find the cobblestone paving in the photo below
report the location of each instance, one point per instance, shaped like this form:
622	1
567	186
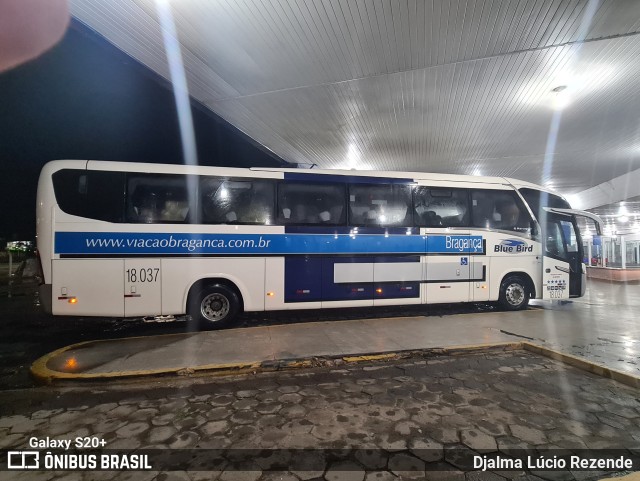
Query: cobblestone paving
417	411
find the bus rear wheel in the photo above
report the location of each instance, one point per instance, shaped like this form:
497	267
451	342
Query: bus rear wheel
514	294
214	306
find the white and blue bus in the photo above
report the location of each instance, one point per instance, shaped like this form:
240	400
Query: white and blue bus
135	240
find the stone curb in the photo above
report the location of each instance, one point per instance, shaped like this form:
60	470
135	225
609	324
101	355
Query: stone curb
44	374
585	365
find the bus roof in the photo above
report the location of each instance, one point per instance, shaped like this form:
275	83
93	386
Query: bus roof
412	175
209	170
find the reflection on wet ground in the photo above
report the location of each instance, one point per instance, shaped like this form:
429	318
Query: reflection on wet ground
26	333
601	326
417	419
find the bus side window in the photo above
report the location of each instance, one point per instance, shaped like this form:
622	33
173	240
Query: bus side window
211	205
441	207
93	194
500	209
259	209
174	210
158	198
553	242
145	205
311	203
380	205
538	200
236	201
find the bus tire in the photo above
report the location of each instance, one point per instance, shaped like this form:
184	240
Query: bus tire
213	306
514	293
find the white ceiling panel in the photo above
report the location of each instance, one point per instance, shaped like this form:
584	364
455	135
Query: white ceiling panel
492	114
460	86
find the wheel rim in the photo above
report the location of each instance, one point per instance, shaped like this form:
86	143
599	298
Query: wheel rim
515	294
214	307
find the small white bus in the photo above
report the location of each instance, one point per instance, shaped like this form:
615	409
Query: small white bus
135	240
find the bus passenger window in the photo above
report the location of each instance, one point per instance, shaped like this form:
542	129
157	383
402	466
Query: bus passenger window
311	203
145	205
441	207
380	205
92	194
501	210
236	201
174	210
506	213
157	198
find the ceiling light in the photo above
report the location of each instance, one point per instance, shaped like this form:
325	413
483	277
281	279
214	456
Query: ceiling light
561	102
623	218
560	97
353	157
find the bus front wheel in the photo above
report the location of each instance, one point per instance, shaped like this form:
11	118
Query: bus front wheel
514	294
214	306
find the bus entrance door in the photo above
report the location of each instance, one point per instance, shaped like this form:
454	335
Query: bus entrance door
563	245
562	262
142	293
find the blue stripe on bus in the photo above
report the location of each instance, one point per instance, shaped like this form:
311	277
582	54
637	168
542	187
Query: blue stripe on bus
326	229
345	179
390	259
303	279
311	279
332	291
365	259
127	243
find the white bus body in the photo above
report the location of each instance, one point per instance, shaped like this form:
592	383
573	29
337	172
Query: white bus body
132	240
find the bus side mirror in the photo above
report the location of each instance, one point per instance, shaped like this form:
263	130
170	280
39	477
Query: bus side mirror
534	228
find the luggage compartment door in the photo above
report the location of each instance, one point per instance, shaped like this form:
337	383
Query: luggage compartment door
87	287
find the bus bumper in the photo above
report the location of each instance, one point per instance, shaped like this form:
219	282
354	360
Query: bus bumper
44	294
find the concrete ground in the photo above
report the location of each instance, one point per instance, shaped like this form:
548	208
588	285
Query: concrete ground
416	419
602	327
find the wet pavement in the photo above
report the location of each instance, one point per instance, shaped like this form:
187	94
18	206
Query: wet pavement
590	328
26	333
602	327
417	419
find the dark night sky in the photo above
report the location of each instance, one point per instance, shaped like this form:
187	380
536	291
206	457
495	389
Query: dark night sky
85	99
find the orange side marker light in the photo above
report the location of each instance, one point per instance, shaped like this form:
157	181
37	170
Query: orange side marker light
70	364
